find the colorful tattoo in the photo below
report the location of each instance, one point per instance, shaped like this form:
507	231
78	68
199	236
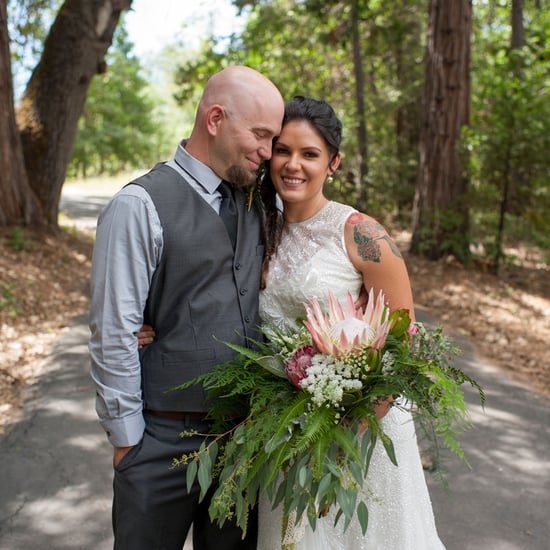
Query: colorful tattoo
365	235
367	247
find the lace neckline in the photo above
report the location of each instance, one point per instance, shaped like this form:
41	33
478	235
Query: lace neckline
311	218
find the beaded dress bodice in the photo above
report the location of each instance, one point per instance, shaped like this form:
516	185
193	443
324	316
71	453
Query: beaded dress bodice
311	260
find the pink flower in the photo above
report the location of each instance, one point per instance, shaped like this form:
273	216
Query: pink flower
413	329
296	368
344	330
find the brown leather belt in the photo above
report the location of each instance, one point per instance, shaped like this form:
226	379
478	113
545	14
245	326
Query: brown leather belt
178	415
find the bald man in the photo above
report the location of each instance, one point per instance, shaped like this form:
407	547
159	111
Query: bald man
164	256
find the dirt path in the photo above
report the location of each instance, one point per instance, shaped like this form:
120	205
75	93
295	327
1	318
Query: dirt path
43	286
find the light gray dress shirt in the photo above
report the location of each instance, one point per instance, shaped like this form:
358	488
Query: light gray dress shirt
127	251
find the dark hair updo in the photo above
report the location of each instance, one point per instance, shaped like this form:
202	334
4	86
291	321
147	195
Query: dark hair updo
323	119
320	115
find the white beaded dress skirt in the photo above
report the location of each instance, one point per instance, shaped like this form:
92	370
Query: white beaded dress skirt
311	261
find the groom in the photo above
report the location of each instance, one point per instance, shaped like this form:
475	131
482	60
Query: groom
163	256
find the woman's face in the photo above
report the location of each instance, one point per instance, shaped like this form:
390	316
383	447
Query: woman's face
300	164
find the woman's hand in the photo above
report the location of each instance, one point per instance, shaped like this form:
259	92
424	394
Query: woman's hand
145	335
382	407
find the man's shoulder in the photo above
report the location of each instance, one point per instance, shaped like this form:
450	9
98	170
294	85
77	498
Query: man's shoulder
161	169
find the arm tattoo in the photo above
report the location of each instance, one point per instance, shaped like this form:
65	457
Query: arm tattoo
366	235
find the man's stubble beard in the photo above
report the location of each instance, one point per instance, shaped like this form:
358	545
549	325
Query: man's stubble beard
240	177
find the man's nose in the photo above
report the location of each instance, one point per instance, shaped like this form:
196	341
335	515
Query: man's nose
265	151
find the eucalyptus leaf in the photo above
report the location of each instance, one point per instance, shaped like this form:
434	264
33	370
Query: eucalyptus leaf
302	476
312	518
213	451
303	502
363	516
280	494
357	472
190	474
273	443
388	445
323	487
204	475
240	507
275	364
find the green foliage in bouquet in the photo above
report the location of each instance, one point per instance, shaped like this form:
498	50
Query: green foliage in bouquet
311	427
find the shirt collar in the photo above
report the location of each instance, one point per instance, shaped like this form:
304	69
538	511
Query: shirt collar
201	173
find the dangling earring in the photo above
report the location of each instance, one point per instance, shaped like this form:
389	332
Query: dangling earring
330	179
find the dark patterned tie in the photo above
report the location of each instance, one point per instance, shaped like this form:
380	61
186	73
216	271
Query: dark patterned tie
228	211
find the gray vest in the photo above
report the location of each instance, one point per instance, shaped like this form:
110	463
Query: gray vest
202	293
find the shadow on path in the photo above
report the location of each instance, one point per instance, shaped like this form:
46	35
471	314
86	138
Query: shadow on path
56	464
502	502
56	474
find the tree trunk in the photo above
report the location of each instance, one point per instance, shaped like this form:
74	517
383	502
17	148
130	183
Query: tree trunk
510	174
48	114
361	195
18	205
407	116
440	214
518	33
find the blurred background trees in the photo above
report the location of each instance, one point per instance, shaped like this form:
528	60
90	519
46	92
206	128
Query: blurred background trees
444	104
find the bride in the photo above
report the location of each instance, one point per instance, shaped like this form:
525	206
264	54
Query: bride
315	247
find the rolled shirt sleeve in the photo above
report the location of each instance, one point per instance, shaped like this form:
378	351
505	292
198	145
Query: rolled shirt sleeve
126	252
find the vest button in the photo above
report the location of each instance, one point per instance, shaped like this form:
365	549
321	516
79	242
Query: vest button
247	319
243	291
237	265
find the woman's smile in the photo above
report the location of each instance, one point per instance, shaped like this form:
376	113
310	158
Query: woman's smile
292	181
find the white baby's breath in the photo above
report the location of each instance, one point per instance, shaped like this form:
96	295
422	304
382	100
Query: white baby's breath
388	362
328	379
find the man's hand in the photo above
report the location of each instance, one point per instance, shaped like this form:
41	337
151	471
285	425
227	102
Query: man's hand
120	453
145	335
362	300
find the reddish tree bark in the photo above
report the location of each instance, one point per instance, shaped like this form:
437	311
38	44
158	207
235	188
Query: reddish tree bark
440	215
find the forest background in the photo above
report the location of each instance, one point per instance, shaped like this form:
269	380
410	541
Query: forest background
447	130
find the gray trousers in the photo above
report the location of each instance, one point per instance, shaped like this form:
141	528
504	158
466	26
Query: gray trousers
152	509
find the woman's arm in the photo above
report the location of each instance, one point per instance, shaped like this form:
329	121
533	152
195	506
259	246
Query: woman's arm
376	256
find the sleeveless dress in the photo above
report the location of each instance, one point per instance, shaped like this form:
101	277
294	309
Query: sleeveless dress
310	261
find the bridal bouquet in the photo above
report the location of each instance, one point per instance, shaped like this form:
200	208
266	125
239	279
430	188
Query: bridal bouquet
310	396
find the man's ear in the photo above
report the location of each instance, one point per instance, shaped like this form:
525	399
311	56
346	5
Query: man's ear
214	118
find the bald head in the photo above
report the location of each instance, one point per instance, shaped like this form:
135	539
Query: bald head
239	108
235	83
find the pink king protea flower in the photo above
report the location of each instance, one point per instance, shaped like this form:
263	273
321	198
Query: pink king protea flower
345	331
296	368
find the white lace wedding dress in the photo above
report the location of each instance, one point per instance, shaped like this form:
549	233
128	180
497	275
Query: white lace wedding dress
312	260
